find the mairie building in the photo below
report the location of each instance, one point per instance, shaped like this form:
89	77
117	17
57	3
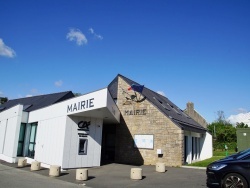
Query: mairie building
123	123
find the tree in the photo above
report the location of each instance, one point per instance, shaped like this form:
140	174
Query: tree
3	100
223	132
221	116
77	94
241	125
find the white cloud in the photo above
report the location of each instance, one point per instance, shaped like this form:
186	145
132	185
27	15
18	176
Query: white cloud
91	30
78	36
29	95
161	93
241	117
5	50
58	83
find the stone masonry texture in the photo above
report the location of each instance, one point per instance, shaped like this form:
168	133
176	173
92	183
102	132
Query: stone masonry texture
149	121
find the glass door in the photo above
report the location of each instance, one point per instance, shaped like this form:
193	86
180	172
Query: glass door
21	140
32	140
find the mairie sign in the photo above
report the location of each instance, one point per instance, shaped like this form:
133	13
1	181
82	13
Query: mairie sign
81	105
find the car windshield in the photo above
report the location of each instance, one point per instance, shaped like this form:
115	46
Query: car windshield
239	154
242	153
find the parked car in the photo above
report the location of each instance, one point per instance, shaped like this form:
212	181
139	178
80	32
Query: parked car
231	171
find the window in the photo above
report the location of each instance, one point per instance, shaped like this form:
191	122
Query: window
164	106
21	140
83	143
32	141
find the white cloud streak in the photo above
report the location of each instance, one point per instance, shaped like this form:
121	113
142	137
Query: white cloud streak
241	117
58	83
76	35
5	50
91	30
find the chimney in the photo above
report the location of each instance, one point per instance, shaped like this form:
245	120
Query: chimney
190	107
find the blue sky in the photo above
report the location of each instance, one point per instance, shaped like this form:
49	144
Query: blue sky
195	51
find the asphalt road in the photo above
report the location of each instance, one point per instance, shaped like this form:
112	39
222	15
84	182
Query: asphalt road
111	175
16	178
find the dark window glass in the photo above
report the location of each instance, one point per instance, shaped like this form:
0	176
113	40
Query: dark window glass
32	141
83	143
21	139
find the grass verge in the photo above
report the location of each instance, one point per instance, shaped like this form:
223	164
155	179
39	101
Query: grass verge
206	162
217	155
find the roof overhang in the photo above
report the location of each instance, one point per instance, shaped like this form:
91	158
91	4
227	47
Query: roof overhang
97	104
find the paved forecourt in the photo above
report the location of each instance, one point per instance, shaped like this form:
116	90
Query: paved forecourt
111	175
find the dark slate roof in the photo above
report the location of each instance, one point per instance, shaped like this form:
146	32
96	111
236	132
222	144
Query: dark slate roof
178	116
37	102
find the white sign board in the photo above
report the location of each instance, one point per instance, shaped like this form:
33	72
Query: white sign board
144	141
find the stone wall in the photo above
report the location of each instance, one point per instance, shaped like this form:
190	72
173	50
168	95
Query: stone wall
148	120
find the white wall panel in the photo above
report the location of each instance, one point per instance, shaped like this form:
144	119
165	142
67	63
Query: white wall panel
113	107
71	158
2	134
25	117
206	146
98	142
10	125
49	141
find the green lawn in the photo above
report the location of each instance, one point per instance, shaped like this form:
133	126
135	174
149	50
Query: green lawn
216	156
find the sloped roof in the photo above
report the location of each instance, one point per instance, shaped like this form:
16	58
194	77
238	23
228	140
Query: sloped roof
169	109
37	102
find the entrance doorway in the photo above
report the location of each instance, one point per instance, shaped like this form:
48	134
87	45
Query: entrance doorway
108	144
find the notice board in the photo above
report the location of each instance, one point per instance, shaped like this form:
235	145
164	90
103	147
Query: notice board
144	141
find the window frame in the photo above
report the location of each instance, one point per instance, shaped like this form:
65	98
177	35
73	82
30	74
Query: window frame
85	151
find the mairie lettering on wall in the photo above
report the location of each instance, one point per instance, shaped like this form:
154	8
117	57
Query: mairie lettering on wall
135	112
81	105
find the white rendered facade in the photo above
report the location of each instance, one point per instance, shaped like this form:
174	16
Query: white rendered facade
60	130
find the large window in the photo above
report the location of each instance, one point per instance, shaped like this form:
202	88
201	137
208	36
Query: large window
32	140
21	140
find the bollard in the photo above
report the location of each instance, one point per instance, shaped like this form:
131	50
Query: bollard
22	162
54	170
136	173
35	165
160	167
82	174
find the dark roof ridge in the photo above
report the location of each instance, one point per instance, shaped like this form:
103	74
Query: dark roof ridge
40	95
184	121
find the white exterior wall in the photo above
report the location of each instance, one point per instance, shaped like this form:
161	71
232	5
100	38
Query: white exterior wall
25	117
204	147
10	121
57	139
49	140
207	146
71	158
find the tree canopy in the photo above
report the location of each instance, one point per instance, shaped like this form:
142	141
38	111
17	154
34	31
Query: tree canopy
3	100
224	133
